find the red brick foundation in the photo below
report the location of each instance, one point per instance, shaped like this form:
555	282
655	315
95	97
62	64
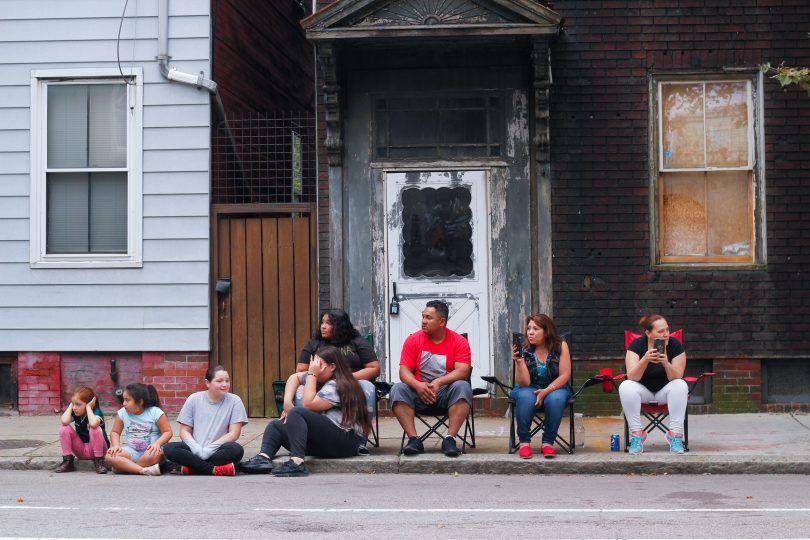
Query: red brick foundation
38	383
47	380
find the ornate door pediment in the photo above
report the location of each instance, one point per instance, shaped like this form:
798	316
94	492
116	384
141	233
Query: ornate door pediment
430	18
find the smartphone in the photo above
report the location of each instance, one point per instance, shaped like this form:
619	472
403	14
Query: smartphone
659	344
518	340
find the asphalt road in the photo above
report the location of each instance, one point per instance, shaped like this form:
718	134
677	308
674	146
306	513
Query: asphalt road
83	504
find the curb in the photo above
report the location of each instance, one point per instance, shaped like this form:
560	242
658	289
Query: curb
662	464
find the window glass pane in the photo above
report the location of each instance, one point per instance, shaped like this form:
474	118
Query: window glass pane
67	213
682	125
729	213
464	126
413	127
727	124
437	232
67	126
787	381
108	212
684	214
108	125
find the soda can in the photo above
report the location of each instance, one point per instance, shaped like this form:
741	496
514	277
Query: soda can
614	443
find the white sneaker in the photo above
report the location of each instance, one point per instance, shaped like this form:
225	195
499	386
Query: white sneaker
152	470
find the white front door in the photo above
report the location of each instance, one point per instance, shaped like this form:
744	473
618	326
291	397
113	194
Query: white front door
438	248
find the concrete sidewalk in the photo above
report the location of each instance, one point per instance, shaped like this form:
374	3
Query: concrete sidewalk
719	444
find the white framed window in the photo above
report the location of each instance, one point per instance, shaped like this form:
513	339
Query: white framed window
86	159
708	184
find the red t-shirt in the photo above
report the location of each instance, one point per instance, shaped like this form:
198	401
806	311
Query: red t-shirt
428	360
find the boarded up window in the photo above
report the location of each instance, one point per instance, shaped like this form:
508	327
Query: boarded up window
706	176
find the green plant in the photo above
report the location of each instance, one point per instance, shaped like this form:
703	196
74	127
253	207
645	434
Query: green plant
787	75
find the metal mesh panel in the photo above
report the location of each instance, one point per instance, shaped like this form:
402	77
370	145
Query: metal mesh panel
265	158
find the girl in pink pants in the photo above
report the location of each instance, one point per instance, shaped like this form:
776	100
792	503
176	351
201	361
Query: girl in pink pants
88	438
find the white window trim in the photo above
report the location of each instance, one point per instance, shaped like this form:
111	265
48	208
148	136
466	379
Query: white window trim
756	156
134	256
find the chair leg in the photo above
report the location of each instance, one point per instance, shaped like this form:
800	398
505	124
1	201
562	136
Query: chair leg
512	430
686	430
471	418
626	434
571	432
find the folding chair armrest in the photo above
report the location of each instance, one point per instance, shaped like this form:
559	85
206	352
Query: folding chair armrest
498	383
381	388
592	381
693	381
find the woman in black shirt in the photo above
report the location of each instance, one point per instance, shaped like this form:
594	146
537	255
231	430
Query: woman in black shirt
653	376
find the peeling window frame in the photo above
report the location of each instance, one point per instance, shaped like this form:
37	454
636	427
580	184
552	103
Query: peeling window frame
756	185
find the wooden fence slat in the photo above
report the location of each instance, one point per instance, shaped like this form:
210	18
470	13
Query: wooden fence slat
222	311
238	309
255	324
286	311
272	360
301	254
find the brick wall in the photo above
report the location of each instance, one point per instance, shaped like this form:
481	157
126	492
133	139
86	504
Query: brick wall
46	380
175	376
38	383
93	370
600	184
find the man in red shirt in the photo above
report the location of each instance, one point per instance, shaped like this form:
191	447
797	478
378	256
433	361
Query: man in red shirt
434	369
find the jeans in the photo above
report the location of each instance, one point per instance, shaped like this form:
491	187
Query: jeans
553	406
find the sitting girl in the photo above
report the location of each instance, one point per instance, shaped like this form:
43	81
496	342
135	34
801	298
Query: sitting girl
147	430
89	438
332	423
210	424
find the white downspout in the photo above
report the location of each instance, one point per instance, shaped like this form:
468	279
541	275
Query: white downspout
171	73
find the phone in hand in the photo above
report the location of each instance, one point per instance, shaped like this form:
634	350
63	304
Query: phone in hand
518	340
659	344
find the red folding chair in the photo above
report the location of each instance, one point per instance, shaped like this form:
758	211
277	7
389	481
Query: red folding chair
654	412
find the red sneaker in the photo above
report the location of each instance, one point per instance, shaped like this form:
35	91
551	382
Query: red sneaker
548	451
225	470
525	452
185	471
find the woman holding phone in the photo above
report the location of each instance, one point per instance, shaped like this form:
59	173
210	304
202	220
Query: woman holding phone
655	363
542	372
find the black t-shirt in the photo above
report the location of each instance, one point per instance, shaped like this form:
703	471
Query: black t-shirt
655	376
363	352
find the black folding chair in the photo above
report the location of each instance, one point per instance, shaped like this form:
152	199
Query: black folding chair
440	417
539	421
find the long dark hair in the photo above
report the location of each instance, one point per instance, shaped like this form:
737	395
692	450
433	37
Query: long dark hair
552	336
144	393
352	399
344	331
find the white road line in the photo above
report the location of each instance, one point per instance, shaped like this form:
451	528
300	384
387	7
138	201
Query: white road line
528	510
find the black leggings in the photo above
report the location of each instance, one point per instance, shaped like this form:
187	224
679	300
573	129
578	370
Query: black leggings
179	452
309	433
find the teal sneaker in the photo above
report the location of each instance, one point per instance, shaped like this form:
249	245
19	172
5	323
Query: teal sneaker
675	442
637	443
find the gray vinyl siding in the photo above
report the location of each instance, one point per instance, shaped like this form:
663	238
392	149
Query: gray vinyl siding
163	306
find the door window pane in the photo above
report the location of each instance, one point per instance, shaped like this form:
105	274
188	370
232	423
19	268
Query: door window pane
86	213
437	232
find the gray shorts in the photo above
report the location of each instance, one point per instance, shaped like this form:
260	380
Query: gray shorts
447	396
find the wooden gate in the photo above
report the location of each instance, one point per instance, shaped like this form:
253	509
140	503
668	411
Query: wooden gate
264	303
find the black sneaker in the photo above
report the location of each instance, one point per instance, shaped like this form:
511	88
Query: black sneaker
289	468
362	450
449	447
258	464
413	446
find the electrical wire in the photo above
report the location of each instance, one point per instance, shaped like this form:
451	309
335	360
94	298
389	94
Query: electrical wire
118	47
